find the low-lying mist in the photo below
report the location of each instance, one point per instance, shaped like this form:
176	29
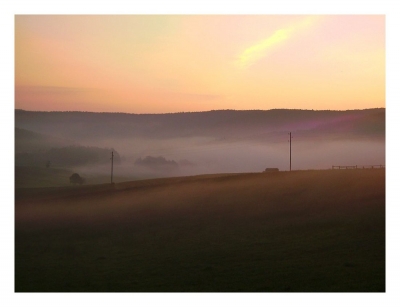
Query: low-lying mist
169	145
204	155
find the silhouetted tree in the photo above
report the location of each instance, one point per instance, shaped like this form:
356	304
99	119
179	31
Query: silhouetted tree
76	179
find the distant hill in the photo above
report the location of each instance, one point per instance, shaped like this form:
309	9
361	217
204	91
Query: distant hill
27	141
224	124
69	156
37	149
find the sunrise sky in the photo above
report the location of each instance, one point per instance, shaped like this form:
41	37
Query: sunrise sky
181	63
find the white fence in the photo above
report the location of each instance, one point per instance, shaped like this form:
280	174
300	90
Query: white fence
357	166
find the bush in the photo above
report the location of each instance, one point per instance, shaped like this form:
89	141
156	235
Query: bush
76	179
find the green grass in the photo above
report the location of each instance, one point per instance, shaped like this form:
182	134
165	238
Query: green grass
35	177
305	231
40	177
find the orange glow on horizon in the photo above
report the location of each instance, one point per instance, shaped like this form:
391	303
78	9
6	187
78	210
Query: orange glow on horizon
162	64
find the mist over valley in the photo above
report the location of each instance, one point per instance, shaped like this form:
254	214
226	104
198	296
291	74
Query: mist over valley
180	144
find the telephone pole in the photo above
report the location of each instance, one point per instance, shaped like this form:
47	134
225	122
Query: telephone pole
112	165
290	151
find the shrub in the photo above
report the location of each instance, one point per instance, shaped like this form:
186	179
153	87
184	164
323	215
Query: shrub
76	179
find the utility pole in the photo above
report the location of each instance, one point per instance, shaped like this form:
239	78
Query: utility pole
112	165
290	150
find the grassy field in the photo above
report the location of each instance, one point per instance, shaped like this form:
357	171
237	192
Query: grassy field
40	177
301	231
36	177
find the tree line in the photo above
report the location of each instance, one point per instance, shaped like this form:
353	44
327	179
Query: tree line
68	157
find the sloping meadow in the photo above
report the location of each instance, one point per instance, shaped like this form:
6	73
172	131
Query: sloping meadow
269	232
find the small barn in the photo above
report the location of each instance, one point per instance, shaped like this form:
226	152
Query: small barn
271	169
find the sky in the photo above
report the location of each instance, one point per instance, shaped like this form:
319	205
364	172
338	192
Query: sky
186	63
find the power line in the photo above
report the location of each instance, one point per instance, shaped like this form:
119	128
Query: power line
290	151
112	165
